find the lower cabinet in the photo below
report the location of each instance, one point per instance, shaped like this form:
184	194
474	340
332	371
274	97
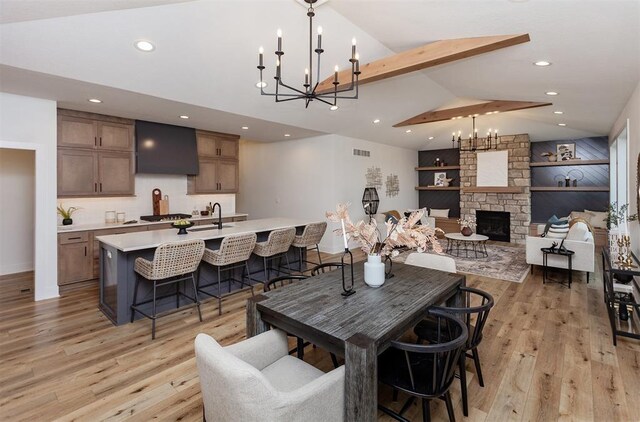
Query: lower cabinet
75	254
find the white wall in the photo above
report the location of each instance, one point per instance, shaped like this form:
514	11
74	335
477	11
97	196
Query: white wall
17	191
631	112
305	178
30	123
93	209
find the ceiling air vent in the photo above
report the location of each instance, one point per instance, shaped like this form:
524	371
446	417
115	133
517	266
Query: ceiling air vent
361	152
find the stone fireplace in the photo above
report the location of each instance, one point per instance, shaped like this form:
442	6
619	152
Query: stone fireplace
514	199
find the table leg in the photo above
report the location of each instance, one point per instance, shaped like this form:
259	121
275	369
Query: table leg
255	324
544	268
361	383
570	271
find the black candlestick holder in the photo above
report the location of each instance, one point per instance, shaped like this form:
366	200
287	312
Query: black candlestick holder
348	291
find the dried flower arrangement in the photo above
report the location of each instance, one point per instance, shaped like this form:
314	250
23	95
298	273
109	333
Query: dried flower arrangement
467	222
403	233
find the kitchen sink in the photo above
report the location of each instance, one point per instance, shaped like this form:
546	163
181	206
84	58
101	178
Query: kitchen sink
201	229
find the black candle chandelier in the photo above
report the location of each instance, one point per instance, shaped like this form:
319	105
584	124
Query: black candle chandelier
308	93
474	143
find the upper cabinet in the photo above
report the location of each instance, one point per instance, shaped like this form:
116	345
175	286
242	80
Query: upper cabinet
95	155
217	145
218	162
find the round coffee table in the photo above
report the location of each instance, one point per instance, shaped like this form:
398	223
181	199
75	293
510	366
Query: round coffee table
474	246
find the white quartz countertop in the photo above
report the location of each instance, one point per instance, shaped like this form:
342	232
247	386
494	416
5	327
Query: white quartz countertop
128	242
100	226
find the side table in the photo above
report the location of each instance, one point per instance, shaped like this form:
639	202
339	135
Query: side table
556	252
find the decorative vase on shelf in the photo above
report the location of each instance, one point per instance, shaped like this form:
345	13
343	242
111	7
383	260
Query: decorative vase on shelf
67	221
466	231
374	271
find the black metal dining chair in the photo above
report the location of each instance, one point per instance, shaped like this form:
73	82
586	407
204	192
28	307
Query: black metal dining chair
425	371
325	268
474	318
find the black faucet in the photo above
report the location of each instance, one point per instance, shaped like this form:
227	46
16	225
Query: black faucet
213	210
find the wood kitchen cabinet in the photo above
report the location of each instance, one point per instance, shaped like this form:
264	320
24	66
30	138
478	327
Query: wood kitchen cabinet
217	145
75	254
216	176
95	155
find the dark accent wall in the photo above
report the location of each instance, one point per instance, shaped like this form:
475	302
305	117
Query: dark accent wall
546	204
439	199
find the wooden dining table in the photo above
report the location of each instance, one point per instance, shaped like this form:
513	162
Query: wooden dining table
358	327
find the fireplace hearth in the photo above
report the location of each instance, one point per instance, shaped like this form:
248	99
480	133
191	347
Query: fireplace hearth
494	224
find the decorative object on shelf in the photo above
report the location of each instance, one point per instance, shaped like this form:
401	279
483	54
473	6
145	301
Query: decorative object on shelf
374	177
66	214
439	178
551	156
576	176
447	182
566	151
567	181
467	225
182	226
474	143
308	92
370	201
436	163
393	185
404	232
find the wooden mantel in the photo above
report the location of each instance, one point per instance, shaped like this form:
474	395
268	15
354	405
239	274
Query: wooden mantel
492	189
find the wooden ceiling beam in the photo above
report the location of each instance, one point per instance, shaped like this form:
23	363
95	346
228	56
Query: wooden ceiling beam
483	108
428	55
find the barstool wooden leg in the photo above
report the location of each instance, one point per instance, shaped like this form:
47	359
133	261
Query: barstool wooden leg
195	296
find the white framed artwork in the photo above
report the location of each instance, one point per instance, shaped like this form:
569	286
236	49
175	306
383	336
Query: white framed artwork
492	168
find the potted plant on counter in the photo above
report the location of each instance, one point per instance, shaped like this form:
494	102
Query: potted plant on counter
403	233
66	214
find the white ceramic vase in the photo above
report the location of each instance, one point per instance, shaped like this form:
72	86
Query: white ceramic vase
374	271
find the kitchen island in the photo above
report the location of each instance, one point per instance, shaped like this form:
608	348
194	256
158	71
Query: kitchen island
118	254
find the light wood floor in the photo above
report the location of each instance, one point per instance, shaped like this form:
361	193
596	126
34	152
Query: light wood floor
547	355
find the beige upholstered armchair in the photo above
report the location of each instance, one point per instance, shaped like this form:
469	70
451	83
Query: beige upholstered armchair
257	380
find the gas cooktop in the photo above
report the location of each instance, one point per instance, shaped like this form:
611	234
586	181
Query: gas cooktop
164	217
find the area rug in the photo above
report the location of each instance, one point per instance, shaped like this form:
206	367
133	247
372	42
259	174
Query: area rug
503	263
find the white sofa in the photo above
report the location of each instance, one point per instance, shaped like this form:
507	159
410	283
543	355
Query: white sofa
584	248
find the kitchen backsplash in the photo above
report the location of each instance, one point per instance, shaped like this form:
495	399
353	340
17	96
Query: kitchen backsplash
93	209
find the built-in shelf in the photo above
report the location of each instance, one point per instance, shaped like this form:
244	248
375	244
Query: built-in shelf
569	163
434	168
437	188
493	189
569	189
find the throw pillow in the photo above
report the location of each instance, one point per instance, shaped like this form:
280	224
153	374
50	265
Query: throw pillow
578	231
558	225
598	219
392	215
581	220
433	212
578	214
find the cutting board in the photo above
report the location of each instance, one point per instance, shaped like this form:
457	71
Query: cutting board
164	205
156	197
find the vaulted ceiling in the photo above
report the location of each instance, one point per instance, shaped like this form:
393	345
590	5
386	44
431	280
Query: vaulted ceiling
206	53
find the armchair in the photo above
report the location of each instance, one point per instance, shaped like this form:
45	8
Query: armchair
257	379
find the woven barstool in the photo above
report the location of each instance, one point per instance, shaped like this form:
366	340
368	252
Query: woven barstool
275	247
172	263
308	241
234	253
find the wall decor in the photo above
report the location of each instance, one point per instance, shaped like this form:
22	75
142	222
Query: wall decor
492	168
566	151
374	177
439	178
393	185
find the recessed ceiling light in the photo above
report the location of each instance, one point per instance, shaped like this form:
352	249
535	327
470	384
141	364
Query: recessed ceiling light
144	45
261	84
94	100
376	121
407	131
562	124
430	137
245	127
286	135
333	108
551	93
558	112
184	116
542	63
